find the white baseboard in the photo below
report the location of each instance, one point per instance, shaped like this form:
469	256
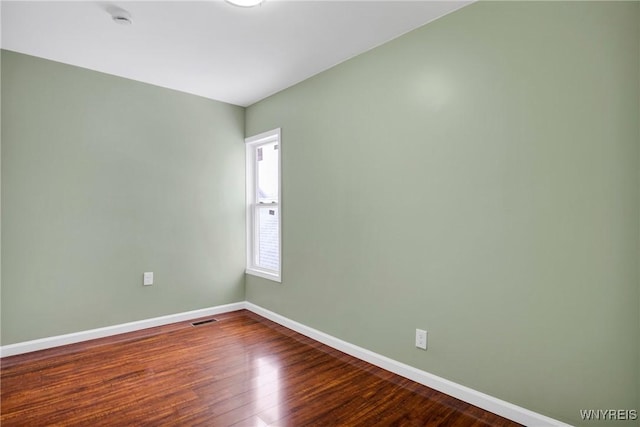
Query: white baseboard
59	340
466	394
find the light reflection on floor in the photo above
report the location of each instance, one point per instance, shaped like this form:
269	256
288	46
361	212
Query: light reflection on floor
267	390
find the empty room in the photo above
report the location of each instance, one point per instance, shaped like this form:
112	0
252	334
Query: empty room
320	213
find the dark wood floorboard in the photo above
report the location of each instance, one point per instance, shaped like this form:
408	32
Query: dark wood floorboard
242	370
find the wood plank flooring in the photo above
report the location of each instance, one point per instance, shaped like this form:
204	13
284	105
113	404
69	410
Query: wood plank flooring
242	370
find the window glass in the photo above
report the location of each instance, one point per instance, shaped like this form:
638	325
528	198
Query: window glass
268	238
267	180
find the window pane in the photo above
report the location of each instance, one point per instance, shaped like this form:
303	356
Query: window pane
268	244
267	159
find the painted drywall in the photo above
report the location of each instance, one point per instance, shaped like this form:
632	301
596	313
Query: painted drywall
105	178
0	185
477	178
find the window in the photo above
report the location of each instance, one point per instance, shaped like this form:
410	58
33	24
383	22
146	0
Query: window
263	205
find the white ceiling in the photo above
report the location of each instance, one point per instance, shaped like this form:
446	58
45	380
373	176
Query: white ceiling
212	48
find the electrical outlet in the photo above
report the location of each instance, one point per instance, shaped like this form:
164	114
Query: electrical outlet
421	339
147	278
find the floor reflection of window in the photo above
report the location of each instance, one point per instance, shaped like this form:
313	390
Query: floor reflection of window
267	390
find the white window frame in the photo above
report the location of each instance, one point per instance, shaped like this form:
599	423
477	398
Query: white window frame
251	144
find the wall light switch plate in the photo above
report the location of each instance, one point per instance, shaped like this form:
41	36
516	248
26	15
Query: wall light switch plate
147	278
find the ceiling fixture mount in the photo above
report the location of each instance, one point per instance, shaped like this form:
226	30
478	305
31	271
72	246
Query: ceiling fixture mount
120	16
245	3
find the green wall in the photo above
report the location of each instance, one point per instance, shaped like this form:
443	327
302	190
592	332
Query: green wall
478	178
104	178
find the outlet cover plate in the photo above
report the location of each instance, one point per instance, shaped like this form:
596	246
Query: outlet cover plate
421	339
147	278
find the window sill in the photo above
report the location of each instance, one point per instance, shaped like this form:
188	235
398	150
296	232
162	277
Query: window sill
264	274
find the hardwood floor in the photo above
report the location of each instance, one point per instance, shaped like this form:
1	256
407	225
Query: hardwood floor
241	370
